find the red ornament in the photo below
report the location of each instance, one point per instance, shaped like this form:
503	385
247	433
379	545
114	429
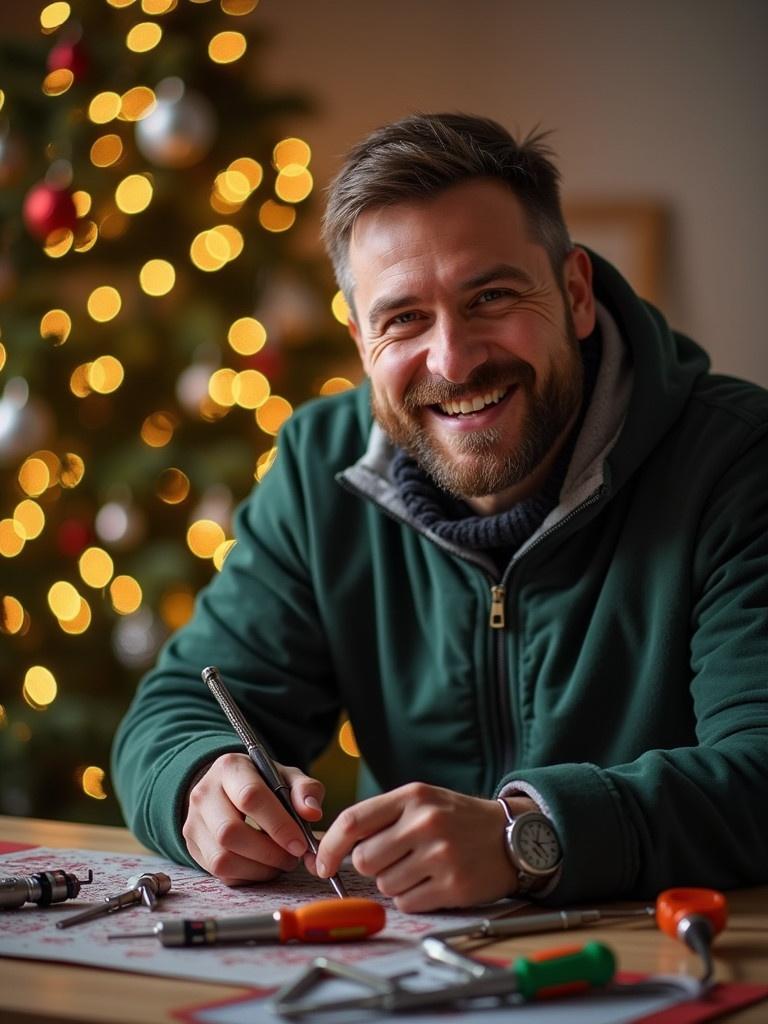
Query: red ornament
268	361
48	208
71	56
73	537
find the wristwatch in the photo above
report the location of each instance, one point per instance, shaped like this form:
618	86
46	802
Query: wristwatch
532	847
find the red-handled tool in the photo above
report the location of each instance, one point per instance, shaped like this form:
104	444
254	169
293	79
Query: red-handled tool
695	916
342	920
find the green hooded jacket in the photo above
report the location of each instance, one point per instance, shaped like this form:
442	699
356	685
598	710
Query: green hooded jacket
618	670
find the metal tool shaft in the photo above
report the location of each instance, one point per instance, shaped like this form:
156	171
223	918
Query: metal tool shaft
261	759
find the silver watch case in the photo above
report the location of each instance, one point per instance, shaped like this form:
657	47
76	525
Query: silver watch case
518	827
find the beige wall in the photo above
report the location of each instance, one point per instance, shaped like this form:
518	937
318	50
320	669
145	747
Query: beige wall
659	99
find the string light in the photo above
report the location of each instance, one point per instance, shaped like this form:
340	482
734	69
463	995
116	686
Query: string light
176	607
157	429
293	183
29	519
3	355
158	6
238	7
40	688
92	782
96	567
54	15
80	622
134	193
226	47
11	614
58	243
11	541
106	150
273	413
347	740
144	36
173	486
82	201
137	103
264	463
34	477
72	470
250	389
335	385
291	151
104	303
56	83
126	594
339	308
247	336
220	386
104	107
55	326
203	538
157	277
276	217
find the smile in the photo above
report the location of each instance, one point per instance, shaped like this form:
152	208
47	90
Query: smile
467	406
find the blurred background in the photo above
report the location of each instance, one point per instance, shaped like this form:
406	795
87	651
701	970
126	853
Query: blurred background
164	302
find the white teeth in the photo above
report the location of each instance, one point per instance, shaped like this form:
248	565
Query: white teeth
468	405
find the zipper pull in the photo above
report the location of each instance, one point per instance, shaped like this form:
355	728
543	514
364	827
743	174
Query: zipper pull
497	607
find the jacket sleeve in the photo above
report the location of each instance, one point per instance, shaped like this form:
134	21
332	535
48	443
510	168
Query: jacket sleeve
691	815
257	620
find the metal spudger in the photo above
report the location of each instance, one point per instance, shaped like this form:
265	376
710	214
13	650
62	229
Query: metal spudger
261	759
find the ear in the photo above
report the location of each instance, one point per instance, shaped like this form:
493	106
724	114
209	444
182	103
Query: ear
354	333
577	283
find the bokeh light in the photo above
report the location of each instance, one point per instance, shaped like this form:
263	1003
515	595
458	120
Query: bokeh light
96	567
347	740
173	486
134	193
220	386
106	150
11	541
80	622
104	303
339	308
176	607
72	470
250	389
34	476
55	326
56	83
273	413
293	184
157	429
105	375
226	47
29	519
276	217
125	594
64	600
92	782
11	614
247	336
335	385
137	103
39	689
104	107
157	277
203	538
144	36
291	151
54	15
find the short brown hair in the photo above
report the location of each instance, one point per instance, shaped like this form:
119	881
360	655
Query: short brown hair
423	154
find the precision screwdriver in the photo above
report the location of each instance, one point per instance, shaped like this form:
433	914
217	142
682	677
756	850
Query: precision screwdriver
261	760
320	921
695	916
43	888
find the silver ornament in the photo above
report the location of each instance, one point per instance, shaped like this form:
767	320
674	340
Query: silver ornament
181	128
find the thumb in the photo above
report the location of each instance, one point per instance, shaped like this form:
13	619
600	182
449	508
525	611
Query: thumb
307	794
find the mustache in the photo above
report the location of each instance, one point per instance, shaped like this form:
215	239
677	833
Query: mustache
434	390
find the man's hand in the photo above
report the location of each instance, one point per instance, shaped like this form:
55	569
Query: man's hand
219	838
427	847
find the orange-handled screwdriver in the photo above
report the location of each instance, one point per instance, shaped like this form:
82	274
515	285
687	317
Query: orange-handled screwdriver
321	921
695	916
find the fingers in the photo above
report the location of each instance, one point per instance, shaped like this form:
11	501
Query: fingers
427	848
219	838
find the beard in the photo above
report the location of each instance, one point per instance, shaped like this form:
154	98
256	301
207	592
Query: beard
478	463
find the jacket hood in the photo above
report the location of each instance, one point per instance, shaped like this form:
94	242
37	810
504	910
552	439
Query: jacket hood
665	367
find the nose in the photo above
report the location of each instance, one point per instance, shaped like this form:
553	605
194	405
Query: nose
453	353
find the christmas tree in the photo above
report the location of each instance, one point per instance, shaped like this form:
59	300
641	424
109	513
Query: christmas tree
158	324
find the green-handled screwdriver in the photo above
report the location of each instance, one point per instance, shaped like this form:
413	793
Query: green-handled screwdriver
557	972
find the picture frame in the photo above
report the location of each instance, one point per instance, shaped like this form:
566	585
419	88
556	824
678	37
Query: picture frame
631	234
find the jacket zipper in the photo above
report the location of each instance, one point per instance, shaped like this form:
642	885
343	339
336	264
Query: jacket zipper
498	622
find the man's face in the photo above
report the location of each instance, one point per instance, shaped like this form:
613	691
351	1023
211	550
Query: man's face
469	340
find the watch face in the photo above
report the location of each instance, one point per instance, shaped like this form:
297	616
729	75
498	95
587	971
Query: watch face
537	844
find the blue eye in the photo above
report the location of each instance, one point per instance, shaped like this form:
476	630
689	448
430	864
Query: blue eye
403	318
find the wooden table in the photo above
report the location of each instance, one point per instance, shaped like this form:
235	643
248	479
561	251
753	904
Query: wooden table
36	991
